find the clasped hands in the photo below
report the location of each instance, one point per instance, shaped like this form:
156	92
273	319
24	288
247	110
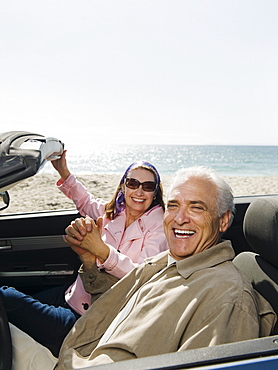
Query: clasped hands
84	237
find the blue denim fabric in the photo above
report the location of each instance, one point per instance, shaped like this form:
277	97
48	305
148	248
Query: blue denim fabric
45	317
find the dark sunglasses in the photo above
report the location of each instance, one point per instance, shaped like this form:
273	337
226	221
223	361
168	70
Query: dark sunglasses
146	185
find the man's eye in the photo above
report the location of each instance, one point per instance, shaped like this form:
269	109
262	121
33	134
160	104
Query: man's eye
198	208
171	206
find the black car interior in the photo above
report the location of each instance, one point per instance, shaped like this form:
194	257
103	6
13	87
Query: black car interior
260	228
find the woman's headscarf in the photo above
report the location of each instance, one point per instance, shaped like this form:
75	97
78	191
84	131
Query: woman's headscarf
120	200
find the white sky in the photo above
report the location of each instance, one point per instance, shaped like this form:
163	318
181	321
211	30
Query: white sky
141	71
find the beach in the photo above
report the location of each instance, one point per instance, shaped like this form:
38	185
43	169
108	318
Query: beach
39	193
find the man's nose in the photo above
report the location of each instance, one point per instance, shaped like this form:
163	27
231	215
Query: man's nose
182	216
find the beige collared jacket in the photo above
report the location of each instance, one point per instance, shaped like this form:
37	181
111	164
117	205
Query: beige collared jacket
200	301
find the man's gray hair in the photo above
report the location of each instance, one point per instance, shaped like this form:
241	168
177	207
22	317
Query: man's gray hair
225	199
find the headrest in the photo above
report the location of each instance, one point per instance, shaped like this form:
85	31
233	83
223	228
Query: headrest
260	228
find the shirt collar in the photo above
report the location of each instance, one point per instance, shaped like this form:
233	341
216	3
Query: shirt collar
212	256
170	260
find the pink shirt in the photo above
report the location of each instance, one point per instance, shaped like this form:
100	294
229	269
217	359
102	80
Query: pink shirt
128	247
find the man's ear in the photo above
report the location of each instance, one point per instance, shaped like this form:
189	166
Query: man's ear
224	221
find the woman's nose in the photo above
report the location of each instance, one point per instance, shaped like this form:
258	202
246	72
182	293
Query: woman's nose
139	190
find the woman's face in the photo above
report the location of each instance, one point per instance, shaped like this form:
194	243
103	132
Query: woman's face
138	200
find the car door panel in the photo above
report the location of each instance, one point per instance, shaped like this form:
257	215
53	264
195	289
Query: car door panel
33	253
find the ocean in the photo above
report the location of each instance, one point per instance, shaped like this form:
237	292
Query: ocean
226	160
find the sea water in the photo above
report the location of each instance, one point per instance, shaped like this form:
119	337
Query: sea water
226	160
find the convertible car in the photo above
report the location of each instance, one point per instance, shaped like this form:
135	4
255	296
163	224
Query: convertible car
35	257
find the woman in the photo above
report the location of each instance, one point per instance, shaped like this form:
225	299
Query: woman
129	228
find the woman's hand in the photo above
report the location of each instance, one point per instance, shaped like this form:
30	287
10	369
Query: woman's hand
61	166
75	233
84	237
78	228
92	241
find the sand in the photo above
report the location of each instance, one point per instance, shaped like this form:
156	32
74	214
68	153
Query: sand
39	193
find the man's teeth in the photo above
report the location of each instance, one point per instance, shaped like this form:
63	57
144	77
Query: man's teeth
183	233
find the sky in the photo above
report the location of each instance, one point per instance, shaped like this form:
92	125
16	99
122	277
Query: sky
108	72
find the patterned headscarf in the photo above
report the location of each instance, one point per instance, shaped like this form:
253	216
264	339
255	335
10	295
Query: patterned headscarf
120	200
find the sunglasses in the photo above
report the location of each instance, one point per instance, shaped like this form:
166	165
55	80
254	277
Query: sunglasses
146	185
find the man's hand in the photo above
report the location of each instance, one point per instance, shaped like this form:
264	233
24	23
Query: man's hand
84	237
78	228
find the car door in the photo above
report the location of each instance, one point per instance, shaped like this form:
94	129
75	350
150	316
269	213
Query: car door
33	254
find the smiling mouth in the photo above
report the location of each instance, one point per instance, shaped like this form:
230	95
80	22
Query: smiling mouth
138	200
183	233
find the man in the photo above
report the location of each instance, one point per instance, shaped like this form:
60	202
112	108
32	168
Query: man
190	297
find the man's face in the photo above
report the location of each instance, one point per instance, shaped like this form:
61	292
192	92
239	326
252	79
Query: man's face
191	223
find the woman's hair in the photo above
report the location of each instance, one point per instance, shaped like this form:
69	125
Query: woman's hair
225	198
117	203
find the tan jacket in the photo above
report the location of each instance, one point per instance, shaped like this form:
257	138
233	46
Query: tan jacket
200	301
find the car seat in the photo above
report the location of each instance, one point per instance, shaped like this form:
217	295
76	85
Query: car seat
260	229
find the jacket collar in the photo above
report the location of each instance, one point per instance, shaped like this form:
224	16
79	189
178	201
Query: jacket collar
136	229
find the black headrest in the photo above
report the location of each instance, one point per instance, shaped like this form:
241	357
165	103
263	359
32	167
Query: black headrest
260	228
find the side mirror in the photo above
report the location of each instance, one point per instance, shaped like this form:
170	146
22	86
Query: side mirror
4	200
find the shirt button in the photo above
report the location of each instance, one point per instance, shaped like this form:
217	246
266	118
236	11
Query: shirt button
85	306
